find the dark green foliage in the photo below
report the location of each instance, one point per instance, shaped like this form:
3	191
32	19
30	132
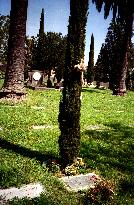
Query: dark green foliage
90	70
39	54
69	110
41	30
49	53
60	61
124	10
40	49
54	56
110	59
30	45
102	65
120	8
115	45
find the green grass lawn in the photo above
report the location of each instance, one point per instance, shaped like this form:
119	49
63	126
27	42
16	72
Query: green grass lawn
107	143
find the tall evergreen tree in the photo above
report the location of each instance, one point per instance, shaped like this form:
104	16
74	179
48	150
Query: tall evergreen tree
111	53
54	56
61	59
114	43
30	52
90	69
41	29
40	48
14	78
123	9
102	66
69	110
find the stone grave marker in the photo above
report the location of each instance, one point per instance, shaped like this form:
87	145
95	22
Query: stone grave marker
79	182
29	191
35	78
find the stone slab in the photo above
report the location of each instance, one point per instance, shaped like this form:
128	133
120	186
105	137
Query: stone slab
38	127
79	182
43	88
29	191
95	127
38	107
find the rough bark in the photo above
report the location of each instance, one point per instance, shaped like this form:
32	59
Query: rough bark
14	78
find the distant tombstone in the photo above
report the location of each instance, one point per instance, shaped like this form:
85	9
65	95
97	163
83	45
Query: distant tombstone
35	78
104	85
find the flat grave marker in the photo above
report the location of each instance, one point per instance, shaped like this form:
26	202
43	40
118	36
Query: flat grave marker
79	182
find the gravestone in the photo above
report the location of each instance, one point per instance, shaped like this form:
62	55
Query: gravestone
35	78
29	191
80	182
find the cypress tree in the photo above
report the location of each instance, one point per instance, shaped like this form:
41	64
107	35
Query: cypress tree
69	109
110	58
40	49
41	30
123	9
102	66
90	70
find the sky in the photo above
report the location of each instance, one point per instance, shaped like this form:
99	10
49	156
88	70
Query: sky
56	20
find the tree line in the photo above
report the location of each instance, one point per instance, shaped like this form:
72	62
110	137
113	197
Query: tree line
108	65
44	52
69	108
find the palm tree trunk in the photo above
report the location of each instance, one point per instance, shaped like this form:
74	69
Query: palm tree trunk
14	78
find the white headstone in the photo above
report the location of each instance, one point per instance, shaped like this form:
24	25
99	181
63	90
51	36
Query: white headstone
36	76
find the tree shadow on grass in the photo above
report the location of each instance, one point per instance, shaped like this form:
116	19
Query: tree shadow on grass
25	152
111	151
94	90
12	175
43	200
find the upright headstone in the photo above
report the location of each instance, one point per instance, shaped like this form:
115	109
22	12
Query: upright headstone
35	78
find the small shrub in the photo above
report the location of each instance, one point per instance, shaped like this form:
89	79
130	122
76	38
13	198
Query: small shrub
102	193
75	167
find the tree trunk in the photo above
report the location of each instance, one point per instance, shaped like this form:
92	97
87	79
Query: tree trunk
121	84
49	83
14	78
